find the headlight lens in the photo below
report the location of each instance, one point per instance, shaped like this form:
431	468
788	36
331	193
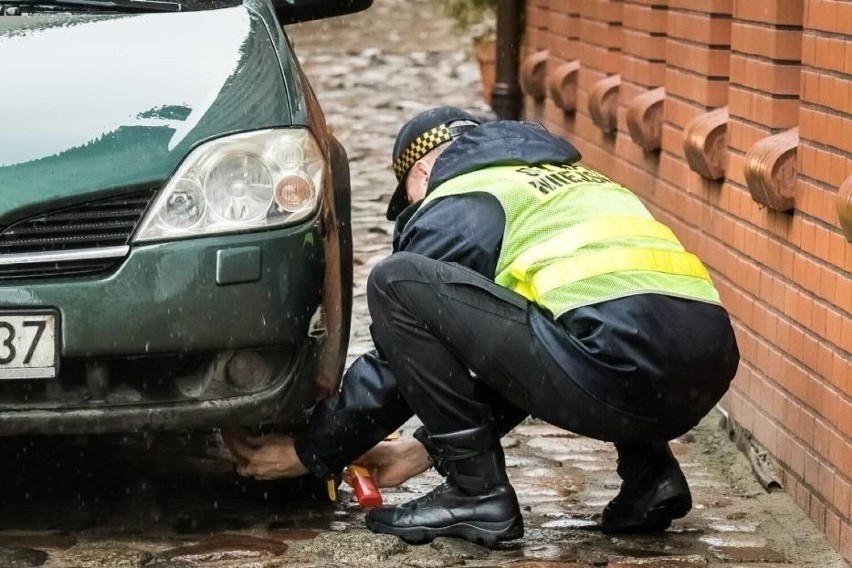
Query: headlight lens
185	206
237	183
239	188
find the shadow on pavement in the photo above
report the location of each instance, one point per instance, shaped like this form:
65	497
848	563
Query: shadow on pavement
163	482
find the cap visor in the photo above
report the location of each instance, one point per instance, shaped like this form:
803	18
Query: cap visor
398	202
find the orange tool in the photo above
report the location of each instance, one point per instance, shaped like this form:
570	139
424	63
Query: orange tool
365	488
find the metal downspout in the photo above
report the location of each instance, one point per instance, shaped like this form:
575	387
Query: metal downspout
506	93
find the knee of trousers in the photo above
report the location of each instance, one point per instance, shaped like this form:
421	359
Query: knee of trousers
398	266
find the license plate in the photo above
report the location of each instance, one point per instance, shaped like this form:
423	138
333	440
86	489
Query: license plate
28	345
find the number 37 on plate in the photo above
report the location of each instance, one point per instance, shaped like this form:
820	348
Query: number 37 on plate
28	345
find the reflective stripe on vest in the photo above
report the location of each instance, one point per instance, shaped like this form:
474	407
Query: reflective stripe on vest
587	233
586	265
565	272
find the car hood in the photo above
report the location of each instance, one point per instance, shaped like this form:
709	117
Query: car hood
95	104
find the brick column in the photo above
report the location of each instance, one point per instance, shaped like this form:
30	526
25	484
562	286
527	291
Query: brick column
765	46
821	344
564	50
533	72
643	68
698	60
537	17
698	37
599	51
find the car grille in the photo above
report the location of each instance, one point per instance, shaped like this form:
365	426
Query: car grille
84	239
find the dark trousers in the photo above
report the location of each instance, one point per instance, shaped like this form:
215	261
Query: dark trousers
466	352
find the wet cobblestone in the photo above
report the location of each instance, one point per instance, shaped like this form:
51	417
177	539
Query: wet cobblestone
224	547
104	555
21	557
357	547
165	501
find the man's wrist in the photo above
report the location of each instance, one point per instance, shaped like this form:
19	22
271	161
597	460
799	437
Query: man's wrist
309	458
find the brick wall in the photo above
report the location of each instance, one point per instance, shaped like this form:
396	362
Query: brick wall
732	119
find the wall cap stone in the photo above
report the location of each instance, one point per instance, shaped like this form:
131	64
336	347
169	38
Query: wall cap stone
844	207
645	118
562	85
534	74
705	143
603	103
770	170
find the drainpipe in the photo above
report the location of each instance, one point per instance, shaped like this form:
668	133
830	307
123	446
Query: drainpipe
506	93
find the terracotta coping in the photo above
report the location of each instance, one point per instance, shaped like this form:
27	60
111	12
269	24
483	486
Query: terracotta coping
705	143
534	74
844	207
562	85
645	118
770	170
603	103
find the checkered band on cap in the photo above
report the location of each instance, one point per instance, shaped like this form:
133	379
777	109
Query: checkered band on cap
420	147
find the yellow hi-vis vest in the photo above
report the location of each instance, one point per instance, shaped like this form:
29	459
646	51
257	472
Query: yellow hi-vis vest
574	237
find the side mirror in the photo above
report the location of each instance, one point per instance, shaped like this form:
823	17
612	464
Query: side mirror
293	11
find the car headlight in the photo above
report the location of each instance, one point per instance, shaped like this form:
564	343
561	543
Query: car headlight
242	182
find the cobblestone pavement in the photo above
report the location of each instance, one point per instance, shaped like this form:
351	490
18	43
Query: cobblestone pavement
166	501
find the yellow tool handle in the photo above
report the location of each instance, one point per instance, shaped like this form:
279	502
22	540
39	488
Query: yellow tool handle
331	486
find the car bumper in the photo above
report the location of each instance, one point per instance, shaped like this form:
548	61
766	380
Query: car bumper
287	400
158	342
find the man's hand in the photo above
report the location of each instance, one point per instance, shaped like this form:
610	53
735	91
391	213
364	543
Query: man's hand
272	456
392	463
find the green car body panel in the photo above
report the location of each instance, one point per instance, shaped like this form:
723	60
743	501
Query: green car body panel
101	102
107	105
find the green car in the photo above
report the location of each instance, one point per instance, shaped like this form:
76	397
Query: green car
175	241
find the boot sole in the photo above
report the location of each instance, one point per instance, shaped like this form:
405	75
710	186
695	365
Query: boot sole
485	533
657	519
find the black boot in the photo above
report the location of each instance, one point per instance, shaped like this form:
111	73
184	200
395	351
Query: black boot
476	502
653	492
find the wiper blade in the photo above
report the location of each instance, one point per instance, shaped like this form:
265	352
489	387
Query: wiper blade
109	5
